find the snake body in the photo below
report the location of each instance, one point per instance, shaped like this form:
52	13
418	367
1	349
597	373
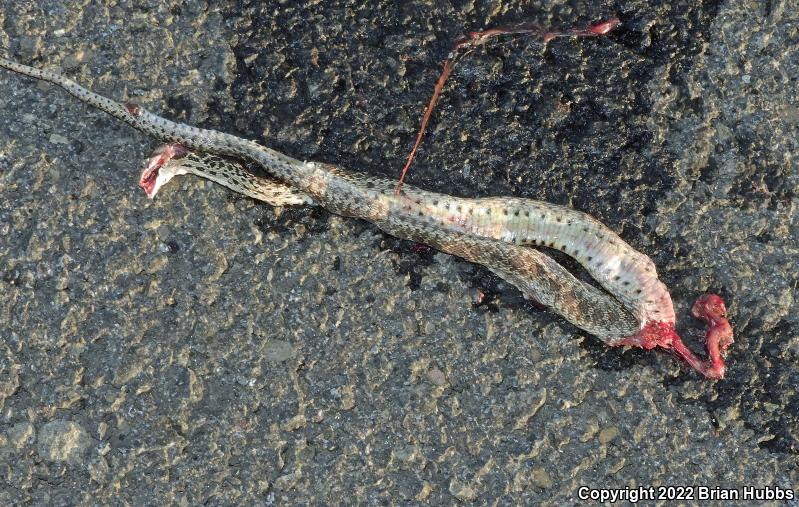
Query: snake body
634	309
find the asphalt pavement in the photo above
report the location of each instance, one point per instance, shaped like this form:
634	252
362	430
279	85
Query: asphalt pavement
203	348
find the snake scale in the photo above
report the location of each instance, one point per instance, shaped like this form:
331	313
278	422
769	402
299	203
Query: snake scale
634	308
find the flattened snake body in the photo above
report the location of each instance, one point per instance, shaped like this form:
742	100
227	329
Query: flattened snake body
634	309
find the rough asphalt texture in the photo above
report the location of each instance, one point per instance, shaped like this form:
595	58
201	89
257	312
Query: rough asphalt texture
204	348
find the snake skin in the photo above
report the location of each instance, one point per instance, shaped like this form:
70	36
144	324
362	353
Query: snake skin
494	232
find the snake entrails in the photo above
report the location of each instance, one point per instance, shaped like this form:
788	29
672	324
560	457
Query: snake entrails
496	232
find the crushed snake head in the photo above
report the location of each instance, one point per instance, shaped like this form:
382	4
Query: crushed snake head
154	175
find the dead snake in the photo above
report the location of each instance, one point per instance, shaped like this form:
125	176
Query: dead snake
635	309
